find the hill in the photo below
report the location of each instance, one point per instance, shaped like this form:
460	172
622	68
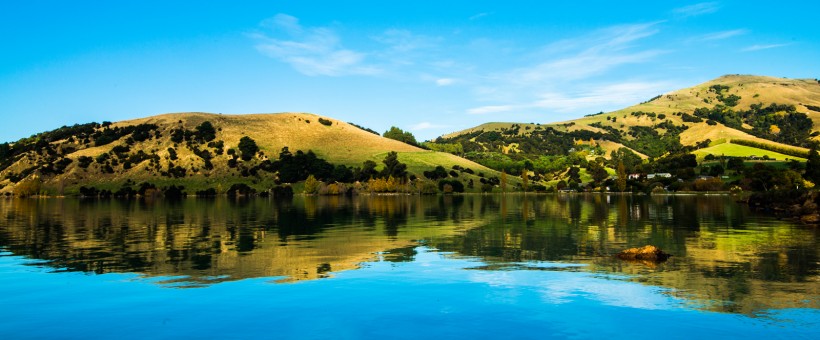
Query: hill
775	114
201	151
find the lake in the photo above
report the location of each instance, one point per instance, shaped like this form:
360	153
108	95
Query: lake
472	266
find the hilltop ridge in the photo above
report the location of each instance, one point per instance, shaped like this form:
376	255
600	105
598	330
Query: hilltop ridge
167	150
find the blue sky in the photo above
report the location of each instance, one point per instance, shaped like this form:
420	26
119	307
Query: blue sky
427	67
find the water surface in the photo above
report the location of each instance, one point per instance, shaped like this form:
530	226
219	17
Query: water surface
403	266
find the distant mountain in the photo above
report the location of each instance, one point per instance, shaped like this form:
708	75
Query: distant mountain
198	151
776	114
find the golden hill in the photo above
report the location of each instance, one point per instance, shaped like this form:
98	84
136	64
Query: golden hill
335	141
804	94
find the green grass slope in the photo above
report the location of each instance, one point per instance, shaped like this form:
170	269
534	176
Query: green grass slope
735	150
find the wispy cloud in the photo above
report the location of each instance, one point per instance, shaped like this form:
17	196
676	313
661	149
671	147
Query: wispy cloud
426	126
599	52
445	81
479	16
697	9
404	41
603	97
559	82
313	51
722	35
493	109
598	98
762	47
319	51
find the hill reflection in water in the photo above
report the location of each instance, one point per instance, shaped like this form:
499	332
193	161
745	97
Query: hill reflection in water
725	258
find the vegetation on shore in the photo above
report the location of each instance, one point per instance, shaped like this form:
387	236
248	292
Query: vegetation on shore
764	145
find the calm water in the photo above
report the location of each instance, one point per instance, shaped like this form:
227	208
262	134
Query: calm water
404	267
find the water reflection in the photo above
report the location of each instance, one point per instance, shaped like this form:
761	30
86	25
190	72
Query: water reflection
725	259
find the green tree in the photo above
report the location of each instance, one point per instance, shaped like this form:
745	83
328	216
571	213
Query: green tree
312	185
205	132
503	181
367	171
620	183
629	159
400	135
525	179
735	163
812	172
597	171
248	148
392	166
574	174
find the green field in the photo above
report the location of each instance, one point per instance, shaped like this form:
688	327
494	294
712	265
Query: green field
735	150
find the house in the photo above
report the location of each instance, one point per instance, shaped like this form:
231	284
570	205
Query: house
660	174
634	176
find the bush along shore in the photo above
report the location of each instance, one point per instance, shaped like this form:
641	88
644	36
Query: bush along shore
797	204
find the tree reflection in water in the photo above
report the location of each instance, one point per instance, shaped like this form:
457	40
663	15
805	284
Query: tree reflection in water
725	258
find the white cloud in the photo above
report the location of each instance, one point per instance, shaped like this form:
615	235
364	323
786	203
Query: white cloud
445	81
697	9
479	16
722	35
599	98
491	109
605	97
559	83
599	52
762	47
426	126
311	51
405	41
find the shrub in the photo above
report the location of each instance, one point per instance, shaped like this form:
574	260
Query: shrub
282	191
325	122
84	161
240	189
210	192
205	132
248	148
454	185
312	185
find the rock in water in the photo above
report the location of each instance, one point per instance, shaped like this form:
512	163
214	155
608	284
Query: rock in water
647	253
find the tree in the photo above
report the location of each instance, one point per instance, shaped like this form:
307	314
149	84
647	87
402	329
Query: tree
735	163
400	135
342	174
574	174
629	159
392	166
503	181
812	172
248	148
620	182
524	179
367	171
597	171
205	132
312	185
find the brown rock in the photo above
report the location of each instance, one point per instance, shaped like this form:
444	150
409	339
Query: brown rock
648	253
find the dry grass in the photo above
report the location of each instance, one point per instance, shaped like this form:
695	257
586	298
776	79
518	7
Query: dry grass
339	143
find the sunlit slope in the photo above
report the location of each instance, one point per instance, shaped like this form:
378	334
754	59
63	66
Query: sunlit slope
333	140
802	93
671	108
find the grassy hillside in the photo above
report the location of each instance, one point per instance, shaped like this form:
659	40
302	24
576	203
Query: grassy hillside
166	150
804	94
754	108
735	150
